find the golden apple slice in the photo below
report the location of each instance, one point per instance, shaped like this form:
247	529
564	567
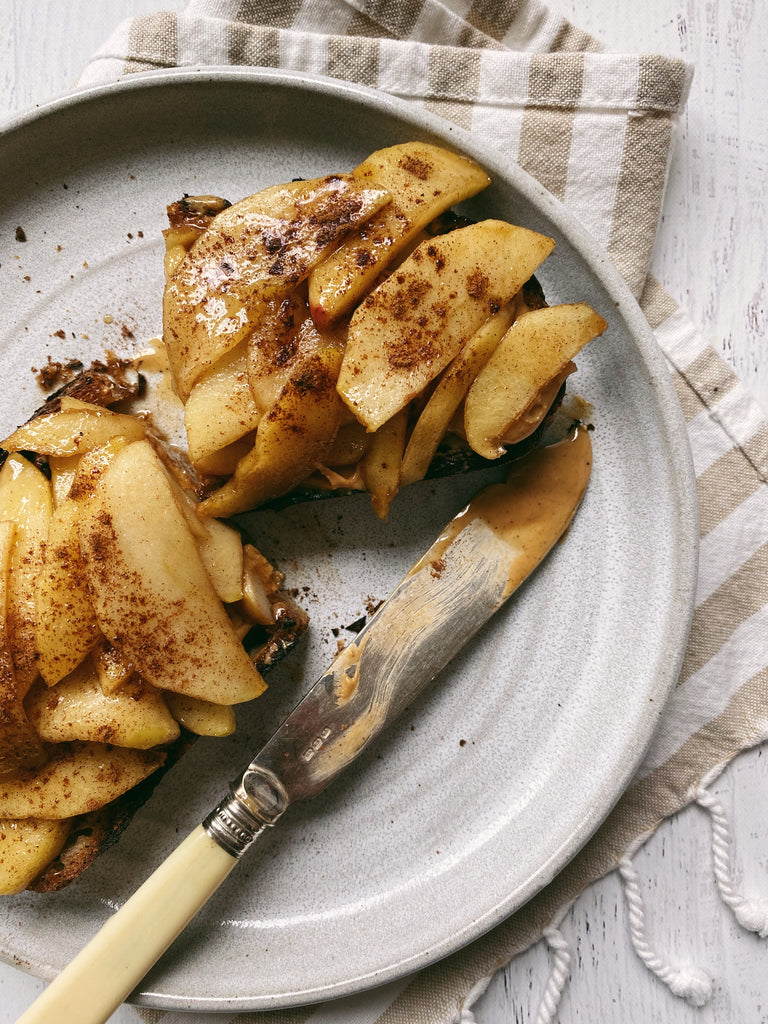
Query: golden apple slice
381	464
27	847
66	628
535	350
219	545
200	716
260	580
220	409
25	498
65	621
153	597
256	250
291	441
282	340
221	550
78	709
20	747
424	181
78	778
74	429
410	327
453	385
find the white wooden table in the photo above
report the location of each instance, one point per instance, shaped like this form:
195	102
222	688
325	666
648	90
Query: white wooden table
712	255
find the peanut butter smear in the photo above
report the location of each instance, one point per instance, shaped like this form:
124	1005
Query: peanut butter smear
531	510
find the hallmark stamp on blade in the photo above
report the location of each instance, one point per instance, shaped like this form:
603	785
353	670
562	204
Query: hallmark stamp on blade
317	744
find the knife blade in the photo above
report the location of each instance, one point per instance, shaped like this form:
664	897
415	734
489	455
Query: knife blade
480	559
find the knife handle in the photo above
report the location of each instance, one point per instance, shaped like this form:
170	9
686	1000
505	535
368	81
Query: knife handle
105	971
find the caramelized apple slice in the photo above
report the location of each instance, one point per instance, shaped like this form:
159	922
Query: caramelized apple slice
66	628
220	409
153	597
201	716
20	747
424	181
79	777
381	463
410	327
436	416
535	350
76	428
292	439
25	498
78	709
27	847
256	250
65	621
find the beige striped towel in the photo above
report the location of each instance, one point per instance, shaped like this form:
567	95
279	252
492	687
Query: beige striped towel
595	128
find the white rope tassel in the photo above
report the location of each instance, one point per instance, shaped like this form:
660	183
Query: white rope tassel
466	1014
558	975
689	983
751	914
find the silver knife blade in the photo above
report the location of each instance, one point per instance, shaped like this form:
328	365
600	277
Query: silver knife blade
477	562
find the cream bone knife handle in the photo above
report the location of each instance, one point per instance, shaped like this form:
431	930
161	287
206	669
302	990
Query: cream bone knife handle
106	971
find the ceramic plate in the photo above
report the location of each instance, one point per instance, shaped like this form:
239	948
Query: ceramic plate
497	776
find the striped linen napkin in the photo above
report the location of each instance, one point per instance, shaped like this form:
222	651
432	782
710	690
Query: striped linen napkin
595	128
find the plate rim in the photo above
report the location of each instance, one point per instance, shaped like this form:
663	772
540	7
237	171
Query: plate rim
671	419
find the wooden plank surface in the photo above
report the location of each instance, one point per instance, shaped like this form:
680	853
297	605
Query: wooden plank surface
712	256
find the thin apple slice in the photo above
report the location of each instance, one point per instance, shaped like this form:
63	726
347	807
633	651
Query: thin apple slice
424	181
410	327
25	498
20	746
66	628
535	350
78	709
220	409
27	847
284	338
256	250
292	439
72	430
381	464
260	580
153	597
221	550
219	545
200	716
78	778
65	621
436	416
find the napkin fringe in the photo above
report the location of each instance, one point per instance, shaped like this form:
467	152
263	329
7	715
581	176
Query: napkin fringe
686	981
750	912
559	973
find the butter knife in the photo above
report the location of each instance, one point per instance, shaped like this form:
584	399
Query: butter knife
477	562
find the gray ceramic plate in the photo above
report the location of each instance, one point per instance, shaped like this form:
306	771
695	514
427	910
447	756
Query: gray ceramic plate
501	772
